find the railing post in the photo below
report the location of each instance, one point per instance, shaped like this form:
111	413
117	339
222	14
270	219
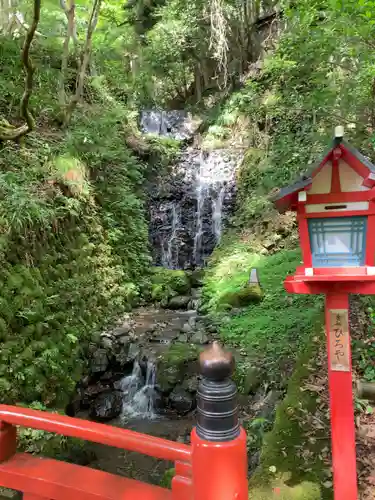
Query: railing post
8	441
219	455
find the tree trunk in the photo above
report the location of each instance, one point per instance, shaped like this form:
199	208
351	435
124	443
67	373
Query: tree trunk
69	9
7	132
69	109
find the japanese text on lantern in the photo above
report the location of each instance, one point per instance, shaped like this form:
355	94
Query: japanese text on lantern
339	340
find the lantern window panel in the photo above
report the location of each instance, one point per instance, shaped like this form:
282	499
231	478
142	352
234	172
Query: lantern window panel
338	241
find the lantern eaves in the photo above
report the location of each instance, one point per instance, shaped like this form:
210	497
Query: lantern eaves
287	197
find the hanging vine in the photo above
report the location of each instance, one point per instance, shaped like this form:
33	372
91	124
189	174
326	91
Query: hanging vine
219	36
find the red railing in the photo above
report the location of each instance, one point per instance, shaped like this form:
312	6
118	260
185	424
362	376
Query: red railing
50	479
214	467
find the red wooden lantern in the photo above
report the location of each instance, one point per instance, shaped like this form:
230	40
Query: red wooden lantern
335	209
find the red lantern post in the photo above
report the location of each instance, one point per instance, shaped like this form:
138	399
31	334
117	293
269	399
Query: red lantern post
335	209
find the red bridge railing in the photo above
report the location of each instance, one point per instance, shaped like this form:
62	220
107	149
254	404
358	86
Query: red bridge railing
214	467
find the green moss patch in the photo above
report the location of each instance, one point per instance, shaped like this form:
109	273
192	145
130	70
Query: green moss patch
298	445
274	330
167	283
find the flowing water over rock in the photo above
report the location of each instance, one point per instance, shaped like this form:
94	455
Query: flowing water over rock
139	393
189	207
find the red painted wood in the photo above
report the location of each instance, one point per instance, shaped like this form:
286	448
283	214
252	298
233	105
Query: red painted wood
370	239
370	183
30	496
334	271
97	433
55	480
182	488
8	441
353	162
220	469
336	278
335	181
327	158
322	288
182	485
348	213
341	197
304	237
342	418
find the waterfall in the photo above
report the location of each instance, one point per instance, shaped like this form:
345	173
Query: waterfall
190	208
169	249
217	212
139	393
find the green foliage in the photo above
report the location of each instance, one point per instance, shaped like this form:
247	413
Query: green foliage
248	294
363	349
267	330
74	241
280	451
166	481
280	491
167	283
320	75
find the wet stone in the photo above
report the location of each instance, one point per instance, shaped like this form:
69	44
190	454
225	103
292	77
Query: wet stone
99	362
199	338
181	401
106	406
183	338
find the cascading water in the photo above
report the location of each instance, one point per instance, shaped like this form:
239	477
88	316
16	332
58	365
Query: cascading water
189	208
170	244
139	392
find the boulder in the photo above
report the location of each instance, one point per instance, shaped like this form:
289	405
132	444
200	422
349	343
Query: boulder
107	405
99	361
181	401
186	328
249	294
199	338
191	384
106	342
169	377
179	302
196	278
123	329
183	338
174	364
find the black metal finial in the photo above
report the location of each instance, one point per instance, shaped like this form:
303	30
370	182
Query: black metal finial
217	410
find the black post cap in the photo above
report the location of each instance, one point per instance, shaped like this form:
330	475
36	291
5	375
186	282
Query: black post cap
215	363
217	411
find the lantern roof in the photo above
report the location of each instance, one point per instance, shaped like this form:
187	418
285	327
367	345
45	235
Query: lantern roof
287	197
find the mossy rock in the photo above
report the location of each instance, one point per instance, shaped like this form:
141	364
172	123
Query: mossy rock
250	294
179	302
174	364
196	277
171	280
159	293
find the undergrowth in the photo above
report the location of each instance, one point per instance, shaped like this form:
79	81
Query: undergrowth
73	245
273	331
